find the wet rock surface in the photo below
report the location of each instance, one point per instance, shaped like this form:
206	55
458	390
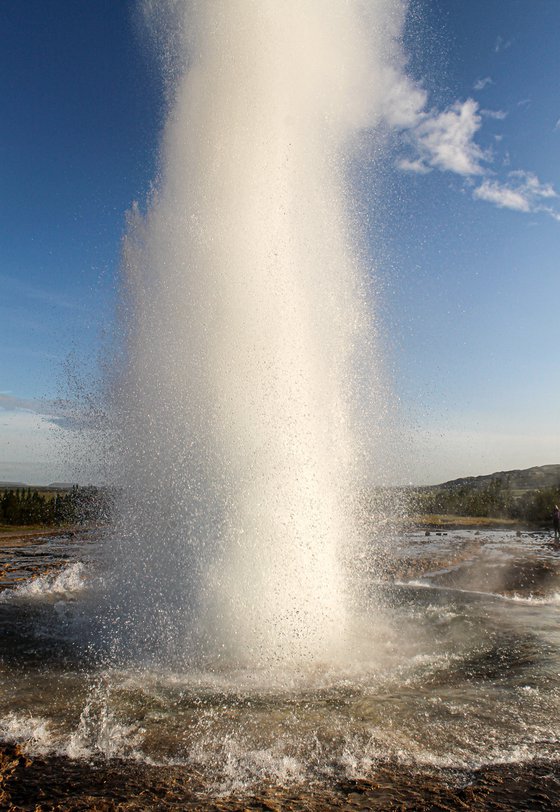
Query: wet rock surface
55	783
529	565
26	556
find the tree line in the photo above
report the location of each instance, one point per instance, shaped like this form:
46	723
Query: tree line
494	500
79	505
89	504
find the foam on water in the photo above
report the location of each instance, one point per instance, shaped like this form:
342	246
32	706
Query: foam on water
458	681
31	731
230	744
63	584
537	600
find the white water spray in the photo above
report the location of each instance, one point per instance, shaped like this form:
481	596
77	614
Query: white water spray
246	336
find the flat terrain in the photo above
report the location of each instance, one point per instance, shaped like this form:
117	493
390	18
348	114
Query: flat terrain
458	522
27	533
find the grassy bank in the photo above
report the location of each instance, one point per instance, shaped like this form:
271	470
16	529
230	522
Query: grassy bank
28	531
451	522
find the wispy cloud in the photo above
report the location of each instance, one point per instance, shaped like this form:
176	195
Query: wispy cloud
417	166
404	101
37	293
523	191
533	185
502	44
30	451
440	139
480	84
445	140
502	195
499	115
11	403
557	125
62	413
33	450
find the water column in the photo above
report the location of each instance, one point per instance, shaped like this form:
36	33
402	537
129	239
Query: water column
244	328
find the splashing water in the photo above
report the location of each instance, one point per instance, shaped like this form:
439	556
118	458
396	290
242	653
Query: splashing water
246	339
247	659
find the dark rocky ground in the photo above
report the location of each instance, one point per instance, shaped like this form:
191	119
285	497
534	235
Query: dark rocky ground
55	783
25	554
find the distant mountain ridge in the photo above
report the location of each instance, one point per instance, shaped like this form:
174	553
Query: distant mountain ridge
526	479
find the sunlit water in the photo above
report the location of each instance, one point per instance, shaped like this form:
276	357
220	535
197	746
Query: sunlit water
235	620
245	400
461	676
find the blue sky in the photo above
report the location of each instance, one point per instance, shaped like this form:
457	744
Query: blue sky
475	250
468	263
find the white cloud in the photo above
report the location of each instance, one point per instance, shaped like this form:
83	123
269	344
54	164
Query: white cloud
64	414
404	101
47	441
28	449
557	125
9	402
480	84
533	185
417	166
446	140
443	140
523	192
44	408
499	115
551	213
502	196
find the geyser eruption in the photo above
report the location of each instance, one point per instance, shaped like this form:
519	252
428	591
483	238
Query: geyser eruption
246	338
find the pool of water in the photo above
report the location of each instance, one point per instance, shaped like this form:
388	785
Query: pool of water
453	665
